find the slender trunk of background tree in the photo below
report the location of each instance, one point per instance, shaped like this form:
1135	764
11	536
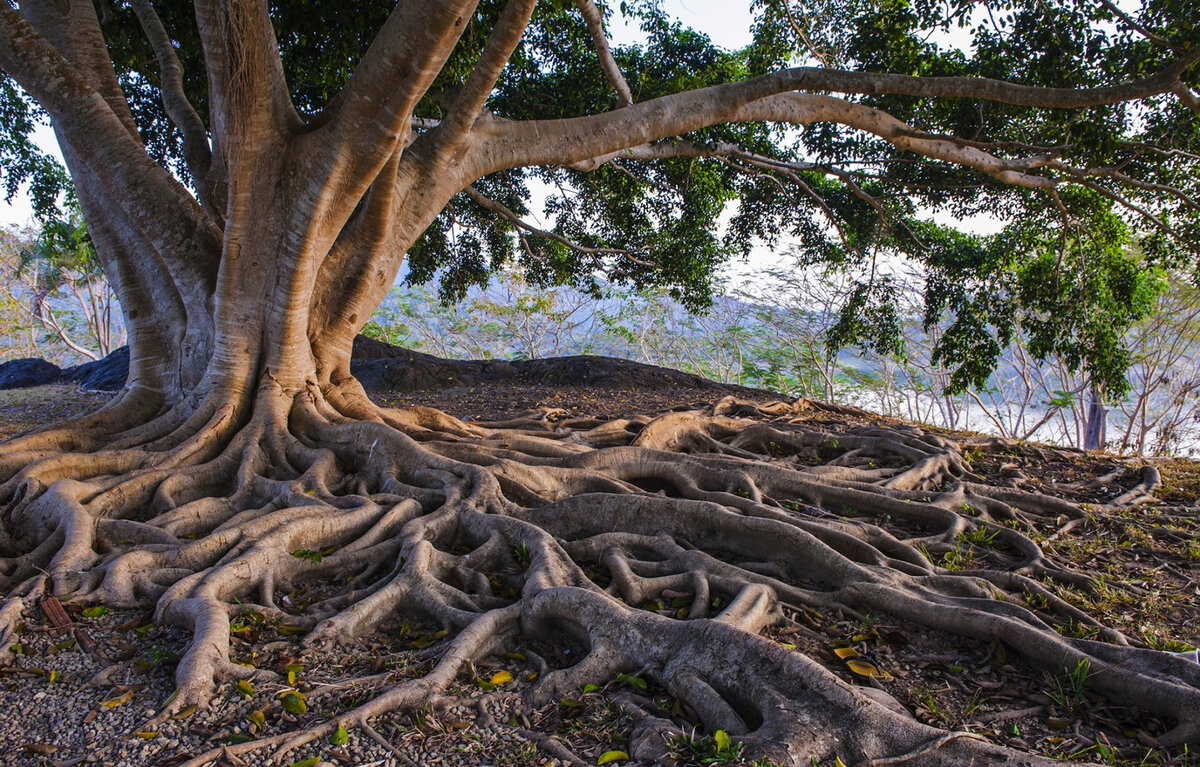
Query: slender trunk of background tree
1096	425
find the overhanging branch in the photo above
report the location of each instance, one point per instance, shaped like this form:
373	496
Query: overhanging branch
565	141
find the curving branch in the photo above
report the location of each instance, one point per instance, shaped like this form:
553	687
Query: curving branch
546	142
798	28
1130	205
612	70
196	150
1141	29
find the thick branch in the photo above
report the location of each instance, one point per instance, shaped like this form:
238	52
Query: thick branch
166	213
473	94
247	92
372	114
804	109
565	141
72	28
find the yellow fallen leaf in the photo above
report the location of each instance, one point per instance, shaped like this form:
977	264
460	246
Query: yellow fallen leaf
612	756
837	762
501	677
120	700
245	688
147	735
845	652
866	668
185	712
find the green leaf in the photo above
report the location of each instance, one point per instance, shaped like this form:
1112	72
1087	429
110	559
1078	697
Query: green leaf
635	682
93	612
340	736
293	702
311	761
721	738
245	688
612	756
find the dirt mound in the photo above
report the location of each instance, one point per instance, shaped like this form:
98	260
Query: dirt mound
381	367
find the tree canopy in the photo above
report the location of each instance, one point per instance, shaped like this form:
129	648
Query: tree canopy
1075	186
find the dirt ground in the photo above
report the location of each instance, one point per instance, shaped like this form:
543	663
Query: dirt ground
83	695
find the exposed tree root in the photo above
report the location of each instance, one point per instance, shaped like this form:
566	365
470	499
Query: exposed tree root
549	534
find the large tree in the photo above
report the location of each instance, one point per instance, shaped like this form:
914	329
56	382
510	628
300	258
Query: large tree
254	175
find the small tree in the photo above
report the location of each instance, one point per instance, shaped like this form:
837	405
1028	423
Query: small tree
18	332
70	296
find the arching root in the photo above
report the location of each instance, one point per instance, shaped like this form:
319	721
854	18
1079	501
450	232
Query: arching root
565	537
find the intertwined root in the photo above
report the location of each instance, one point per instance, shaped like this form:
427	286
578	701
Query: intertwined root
546	533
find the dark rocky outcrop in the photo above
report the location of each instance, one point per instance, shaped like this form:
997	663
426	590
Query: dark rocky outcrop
27	371
106	374
381	367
